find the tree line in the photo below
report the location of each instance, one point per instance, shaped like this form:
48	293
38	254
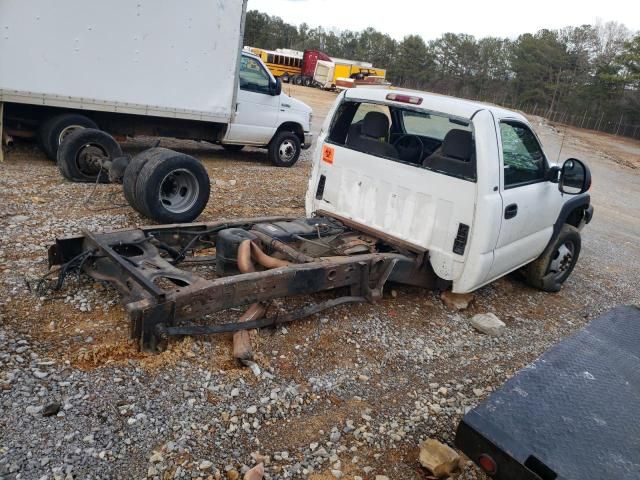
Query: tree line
587	75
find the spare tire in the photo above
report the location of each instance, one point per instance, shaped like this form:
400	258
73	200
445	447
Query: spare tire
133	170
172	188
55	129
82	154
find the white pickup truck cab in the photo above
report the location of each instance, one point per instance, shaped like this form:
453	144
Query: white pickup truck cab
467	182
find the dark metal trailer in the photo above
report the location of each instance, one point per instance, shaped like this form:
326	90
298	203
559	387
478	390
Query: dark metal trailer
571	415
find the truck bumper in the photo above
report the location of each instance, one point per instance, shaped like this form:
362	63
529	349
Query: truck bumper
308	140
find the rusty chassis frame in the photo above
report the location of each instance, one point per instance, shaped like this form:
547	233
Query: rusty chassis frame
162	299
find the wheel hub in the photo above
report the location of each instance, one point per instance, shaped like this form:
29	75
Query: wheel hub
179	191
562	259
287	150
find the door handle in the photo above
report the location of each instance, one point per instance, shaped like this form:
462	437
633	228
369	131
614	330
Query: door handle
511	211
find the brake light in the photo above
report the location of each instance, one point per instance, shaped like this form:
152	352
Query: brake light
398	97
488	464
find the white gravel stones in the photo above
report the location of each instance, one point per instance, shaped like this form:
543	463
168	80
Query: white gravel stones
489	324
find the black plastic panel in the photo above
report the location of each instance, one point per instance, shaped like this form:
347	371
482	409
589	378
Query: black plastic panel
573	414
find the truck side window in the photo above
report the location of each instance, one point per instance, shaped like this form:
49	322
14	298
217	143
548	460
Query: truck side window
524	161
253	77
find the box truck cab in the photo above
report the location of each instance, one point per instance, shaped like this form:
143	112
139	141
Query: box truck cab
264	114
152	68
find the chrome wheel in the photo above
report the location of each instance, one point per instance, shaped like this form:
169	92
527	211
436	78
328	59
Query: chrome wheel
287	151
562	259
65	132
179	191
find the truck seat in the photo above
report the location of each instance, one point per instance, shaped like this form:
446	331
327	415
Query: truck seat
454	155
373	135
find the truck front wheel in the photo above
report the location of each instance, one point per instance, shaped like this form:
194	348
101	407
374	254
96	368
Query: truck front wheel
551	269
55	129
284	149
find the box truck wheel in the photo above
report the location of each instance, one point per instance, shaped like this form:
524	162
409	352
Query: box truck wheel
232	148
83	153
55	129
133	170
172	188
284	149
307	82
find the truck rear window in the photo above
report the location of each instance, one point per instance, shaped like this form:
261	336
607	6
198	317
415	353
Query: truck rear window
429	140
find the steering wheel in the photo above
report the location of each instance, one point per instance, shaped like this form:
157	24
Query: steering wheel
410	148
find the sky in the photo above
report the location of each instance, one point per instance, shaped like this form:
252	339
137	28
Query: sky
430	19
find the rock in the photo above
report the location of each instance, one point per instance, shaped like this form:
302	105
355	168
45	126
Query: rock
382	477
51	409
252	410
33	409
40	374
156	457
457	301
205	465
256	473
336	473
441	460
488	324
233	474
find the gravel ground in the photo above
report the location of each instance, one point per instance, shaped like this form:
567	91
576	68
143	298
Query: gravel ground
347	394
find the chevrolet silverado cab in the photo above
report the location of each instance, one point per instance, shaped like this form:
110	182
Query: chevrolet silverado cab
467	182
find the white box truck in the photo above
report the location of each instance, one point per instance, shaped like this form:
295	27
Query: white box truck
145	67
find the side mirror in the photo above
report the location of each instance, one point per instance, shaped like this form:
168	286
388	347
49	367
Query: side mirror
575	177
553	174
276	88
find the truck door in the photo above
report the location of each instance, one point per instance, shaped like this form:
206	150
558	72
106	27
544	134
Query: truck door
528	207
257	109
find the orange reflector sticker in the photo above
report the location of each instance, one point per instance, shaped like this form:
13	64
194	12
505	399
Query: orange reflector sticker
327	154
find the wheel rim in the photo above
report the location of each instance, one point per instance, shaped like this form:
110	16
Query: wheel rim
179	191
65	132
90	159
562	259
287	151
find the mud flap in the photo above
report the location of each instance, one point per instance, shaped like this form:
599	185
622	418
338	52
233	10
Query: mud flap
572	414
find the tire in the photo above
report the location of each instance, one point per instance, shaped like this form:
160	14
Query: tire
55	129
82	153
551	269
306	82
133	170
285	78
297	80
232	148
172	188
284	149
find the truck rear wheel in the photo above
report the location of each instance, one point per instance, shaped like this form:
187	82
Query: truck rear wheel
83	153
551	269
172	188
133	170
55	129
284	149
306	82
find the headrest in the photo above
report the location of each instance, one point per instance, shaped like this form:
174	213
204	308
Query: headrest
458	144
375	124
